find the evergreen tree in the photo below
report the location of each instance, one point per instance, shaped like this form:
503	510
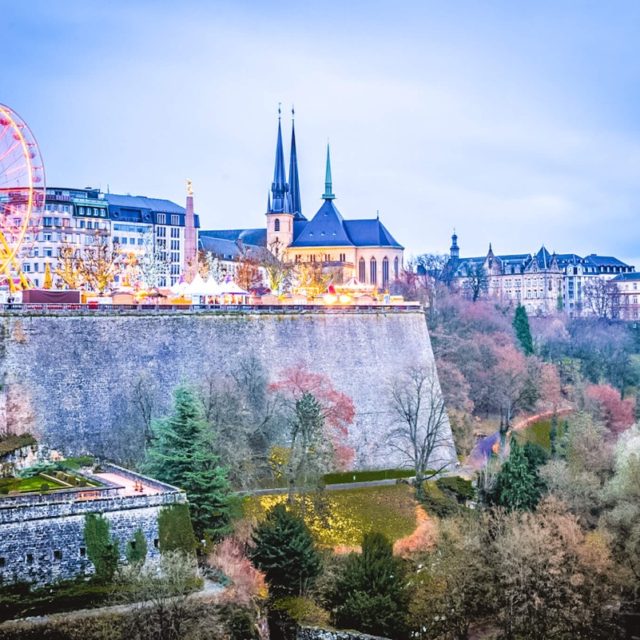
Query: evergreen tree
522	329
285	551
518	485
182	454
371	593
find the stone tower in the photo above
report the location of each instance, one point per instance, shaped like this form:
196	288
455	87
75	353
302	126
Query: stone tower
190	260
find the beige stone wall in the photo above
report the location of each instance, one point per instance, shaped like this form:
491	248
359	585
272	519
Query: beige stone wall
281	239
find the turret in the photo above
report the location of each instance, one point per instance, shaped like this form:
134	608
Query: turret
454	250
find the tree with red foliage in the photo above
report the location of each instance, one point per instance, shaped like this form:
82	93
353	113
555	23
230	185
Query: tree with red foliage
320	416
607	404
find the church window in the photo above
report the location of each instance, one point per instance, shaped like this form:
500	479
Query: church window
343	257
385	272
298	257
373	271
327	257
362	271
276	225
396	268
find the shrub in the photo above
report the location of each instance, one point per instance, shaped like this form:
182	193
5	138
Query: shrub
175	530
437	502
44	486
462	489
101	549
284	549
136	551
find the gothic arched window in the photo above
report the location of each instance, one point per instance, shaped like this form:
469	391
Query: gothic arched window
396	268
385	272
362	271
276	226
373	271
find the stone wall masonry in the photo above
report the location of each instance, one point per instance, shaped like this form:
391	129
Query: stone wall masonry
315	633
75	378
45	550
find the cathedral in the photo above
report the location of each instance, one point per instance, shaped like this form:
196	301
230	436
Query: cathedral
353	250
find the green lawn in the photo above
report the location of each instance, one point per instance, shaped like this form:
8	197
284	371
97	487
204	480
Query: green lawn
540	433
30	484
343	517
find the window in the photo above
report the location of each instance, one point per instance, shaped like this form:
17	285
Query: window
298	257
327	257
140	241
3	562
362	271
162	218
29	558
276	225
57	554
156	543
373	271
175	233
175	220
48	253
161	232
343	257
83	552
35	266
396	268
175	245
46	221
385	272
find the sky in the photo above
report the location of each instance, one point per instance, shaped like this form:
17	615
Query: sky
516	123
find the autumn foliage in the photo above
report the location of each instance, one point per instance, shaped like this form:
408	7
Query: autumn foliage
337	408
618	414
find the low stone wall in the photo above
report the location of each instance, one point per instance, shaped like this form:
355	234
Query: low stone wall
314	633
42	543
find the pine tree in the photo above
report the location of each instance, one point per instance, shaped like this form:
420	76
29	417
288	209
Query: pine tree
371	594
284	550
518	485
522	329
182	454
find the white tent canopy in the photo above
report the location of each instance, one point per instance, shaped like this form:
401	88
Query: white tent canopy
232	288
197	287
211	288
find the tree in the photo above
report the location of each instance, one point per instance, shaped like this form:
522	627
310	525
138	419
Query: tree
182	453
278	270
102	549
318	419
476	281
284	550
518	485
607	405
99	264
152	263
508	380
602	298
248	270
68	268
312	278
371	593
523	332
421	432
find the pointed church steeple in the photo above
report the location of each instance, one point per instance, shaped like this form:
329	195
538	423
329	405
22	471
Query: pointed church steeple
294	182
328	187
454	250
279	187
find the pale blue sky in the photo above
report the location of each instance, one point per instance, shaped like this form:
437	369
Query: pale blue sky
516	122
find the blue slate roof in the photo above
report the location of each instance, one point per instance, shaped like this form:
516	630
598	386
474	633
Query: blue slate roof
329	229
626	277
257	237
225	249
142	209
604	261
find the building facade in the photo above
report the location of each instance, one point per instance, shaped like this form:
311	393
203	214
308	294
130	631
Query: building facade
542	282
361	250
75	219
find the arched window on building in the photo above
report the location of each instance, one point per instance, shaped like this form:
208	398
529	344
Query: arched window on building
362	271
396	268
276	225
373	271
385	272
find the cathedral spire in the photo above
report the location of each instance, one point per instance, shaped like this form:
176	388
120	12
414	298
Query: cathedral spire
328	193
294	183
279	186
454	250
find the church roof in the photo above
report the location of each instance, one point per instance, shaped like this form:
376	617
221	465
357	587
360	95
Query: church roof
256	237
325	229
370	233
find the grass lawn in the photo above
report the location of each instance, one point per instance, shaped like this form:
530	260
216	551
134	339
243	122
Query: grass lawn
30	484
540	433
343	517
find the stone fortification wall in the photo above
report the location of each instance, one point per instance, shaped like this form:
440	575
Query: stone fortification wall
314	633
78	380
44	542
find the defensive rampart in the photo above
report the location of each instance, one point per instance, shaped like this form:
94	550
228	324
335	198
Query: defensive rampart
84	381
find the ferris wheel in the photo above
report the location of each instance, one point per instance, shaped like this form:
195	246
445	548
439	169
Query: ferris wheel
22	193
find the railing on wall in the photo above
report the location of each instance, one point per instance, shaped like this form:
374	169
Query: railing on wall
109	309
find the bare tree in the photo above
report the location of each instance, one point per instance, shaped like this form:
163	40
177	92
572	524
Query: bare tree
602	298
277	269
476	281
421	422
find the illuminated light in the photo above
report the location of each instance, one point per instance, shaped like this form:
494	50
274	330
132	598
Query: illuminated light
330	298
345	299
